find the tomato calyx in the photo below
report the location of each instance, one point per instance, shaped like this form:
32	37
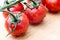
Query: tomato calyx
33	4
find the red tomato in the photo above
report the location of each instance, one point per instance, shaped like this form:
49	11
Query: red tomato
43	2
21	27
36	15
53	5
14	9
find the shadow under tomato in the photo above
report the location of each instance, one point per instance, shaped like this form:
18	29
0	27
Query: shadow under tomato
53	12
23	34
21	37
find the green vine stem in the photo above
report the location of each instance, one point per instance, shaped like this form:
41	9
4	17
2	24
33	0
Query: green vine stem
15	19
6	1
34	2
26	4
12	3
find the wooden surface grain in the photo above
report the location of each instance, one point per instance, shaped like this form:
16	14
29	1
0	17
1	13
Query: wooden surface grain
48	29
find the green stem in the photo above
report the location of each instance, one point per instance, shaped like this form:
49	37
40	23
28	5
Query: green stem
26	4
34	2
15	19
12	3
6	1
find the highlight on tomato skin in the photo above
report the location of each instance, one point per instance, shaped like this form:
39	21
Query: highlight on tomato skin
36	15
21	27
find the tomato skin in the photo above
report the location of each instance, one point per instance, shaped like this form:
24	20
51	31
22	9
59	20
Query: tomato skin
53	5
14	9
36	15
43	2
17	7
21	27
5	14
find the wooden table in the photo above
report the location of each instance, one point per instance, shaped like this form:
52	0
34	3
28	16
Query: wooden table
49	29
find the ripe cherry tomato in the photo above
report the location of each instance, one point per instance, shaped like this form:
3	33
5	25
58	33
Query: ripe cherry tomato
43	2
14	9
21	26
36	15
53	5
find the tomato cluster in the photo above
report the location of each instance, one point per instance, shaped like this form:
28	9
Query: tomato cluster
18	18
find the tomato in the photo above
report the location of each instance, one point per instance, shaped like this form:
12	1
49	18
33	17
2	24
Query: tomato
14	9
21	26
43	2
36	15
53	5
